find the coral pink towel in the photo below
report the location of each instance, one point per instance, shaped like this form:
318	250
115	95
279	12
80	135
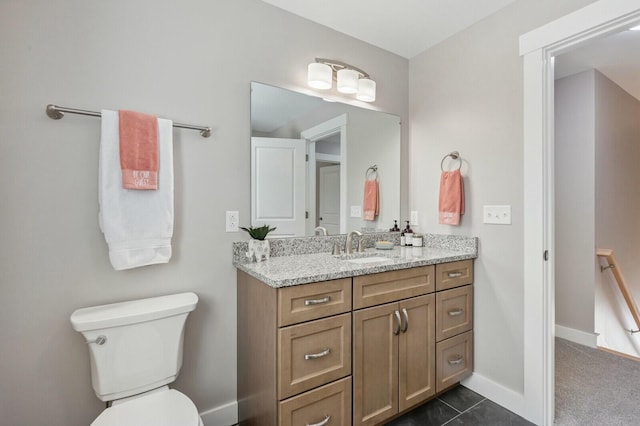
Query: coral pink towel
451	201
138	150
371	203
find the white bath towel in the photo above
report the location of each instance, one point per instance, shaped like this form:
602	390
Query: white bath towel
137	225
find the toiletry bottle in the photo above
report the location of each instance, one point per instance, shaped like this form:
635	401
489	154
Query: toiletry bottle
403	239
417	240
408	235
395	227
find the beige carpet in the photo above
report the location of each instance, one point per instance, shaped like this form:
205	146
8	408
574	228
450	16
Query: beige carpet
594	387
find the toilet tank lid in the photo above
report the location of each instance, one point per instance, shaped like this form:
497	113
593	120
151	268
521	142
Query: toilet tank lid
133	311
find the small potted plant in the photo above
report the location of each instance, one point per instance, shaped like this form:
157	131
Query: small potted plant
258	245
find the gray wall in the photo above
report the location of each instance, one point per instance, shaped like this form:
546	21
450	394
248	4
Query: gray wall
597	135
191	61
466	95
617	215
575	200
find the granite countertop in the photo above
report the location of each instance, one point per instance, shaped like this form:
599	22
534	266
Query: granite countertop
284	271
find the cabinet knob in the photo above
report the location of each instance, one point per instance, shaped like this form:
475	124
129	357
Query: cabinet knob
321	423
398	323
325	352
456	360
310	302
406	320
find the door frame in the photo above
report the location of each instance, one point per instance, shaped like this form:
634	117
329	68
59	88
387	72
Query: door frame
538	48
320	131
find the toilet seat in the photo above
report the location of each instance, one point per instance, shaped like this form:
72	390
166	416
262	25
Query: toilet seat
165	408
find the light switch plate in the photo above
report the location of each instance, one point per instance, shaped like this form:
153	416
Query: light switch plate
356	211
497	215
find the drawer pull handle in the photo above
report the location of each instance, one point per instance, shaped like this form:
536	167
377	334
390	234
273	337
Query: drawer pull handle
322	423
455	361
454	274
398	321
406	320
318	355
311	302
455	312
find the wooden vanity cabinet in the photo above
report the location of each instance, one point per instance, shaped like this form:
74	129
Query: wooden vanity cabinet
355	350
294	353
454	322
394	359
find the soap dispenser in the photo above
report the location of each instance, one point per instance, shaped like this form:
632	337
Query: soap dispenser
408	235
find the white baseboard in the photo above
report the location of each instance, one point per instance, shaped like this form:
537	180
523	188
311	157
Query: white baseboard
507	398
577	336
224	415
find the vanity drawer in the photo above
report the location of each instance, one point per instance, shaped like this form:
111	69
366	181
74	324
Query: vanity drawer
454	360
313	353
332	401
454	274
376	289
312	301
454	312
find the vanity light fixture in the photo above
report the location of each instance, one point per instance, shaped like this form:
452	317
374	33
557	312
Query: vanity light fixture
350	80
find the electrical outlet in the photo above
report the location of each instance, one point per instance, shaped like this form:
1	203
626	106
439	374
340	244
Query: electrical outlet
233	218
356	211
414	217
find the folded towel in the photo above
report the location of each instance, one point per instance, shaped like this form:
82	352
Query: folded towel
138	150
137	225
451	200
370	204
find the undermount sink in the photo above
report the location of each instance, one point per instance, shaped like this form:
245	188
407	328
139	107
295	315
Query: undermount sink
364	257
370	259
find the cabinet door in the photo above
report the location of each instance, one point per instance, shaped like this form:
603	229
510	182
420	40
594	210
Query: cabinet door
329	404
375	366
417	361
454	360
454	312
313	353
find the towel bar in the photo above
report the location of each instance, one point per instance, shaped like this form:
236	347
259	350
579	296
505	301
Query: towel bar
57	112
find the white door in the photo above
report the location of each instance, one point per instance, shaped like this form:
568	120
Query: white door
278	185
329	198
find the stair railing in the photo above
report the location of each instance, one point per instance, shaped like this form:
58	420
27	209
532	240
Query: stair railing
612	264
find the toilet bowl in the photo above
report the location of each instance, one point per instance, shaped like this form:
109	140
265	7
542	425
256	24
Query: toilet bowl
136	351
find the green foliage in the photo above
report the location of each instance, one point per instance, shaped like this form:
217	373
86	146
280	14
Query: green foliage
259	233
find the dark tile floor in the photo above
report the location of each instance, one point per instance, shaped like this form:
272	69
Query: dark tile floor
459	406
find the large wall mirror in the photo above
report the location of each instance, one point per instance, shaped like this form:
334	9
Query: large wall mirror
309	161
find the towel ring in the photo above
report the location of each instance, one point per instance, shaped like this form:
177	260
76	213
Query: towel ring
371	171
453	154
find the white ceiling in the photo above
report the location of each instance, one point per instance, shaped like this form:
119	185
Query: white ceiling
404	27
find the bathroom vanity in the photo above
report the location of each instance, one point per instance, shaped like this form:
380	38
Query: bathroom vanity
347	340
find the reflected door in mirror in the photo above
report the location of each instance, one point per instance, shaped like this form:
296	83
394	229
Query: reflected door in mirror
329	198
278	185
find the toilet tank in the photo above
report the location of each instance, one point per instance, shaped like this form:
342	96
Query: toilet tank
143	343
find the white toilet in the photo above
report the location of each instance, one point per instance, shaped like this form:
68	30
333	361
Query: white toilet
136	351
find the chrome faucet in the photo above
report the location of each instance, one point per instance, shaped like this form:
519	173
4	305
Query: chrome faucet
322	229
347	247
